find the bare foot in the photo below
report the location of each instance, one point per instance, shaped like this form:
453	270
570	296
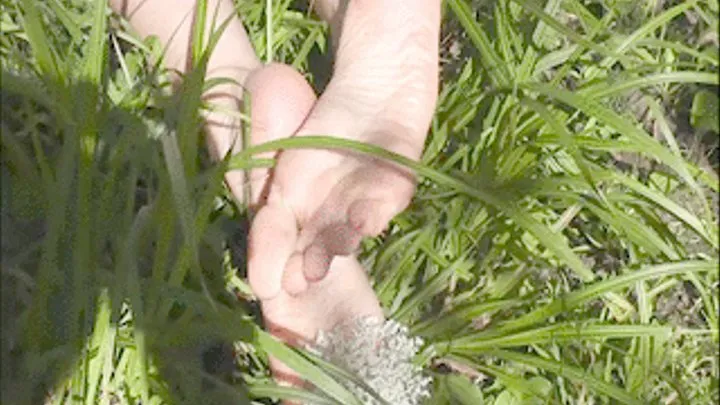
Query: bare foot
281	101
321	203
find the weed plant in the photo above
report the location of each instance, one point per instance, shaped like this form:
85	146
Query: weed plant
562	246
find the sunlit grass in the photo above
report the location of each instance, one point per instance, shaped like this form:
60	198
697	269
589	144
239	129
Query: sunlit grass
562	246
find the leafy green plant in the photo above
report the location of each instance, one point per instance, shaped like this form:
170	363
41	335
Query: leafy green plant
562	245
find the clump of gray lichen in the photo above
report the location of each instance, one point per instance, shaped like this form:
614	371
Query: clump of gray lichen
380	353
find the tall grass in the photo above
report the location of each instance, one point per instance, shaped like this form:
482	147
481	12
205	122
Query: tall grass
562	246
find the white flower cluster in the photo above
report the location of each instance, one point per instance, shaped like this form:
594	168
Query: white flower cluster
380	353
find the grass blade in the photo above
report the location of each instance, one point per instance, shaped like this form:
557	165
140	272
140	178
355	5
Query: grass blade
309	371
607	89
596	290
47	58
641	138
507	204
571	373
492	62
558	333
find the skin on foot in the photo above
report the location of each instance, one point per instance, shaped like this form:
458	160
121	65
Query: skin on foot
321	203
346	292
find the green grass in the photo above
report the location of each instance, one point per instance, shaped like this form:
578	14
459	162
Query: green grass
562	246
